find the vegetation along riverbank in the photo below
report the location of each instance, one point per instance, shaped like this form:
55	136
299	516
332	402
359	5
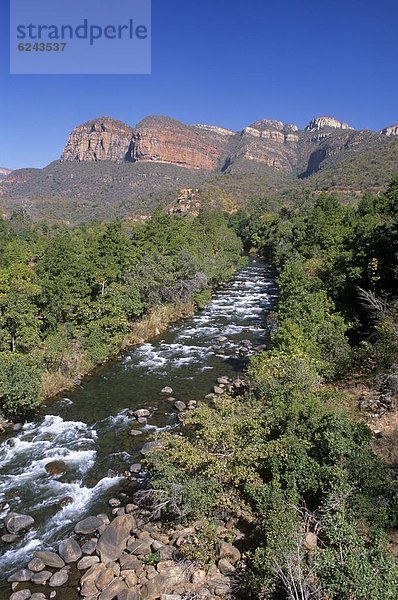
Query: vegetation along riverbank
71	298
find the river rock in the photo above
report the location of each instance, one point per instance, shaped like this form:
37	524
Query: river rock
142	412
50	559
130	563
16	522
149	446
225	567
180	406
36	565
87	582
58	579
41	578
114	539
104	578
21	595
88	525
86	562
228	551
142	420
167	390
131	594
89	546
21	575
56	467
163	583
139	547
136	468
69	550
114	502
38	596
218	390
115	588
135	432
9	538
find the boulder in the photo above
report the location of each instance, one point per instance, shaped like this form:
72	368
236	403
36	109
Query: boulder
114	539
225	567
135	432
228	551
16	522
167	390
139	547
88	525
129	594
70	550
104	578
218	390
114	589
41	578
136	468
163	583
149	446
86	562
38	596
58	579
56	467
50	559
21	575
36	565
21	595
142	412
89	546
9	538
180	406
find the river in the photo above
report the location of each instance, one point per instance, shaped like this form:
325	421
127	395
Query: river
89	429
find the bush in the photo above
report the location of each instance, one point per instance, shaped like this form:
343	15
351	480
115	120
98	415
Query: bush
20	384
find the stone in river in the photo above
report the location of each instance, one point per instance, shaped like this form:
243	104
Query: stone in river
142	420
86	562
115	588
88	525
167	390
69	550
41	578
114	502
114	539
218	390
89	546
38	596
9	538
58	579
142	412
21	575
135	468
16	522
36	565
180	405
135	432
21	595
50	559
56	467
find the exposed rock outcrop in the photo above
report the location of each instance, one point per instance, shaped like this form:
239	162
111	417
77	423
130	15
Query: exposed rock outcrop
100	139
325	121
391	130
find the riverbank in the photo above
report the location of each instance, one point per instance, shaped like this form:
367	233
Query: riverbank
141	331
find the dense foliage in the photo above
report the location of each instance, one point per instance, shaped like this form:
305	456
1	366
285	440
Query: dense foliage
69	297
286	460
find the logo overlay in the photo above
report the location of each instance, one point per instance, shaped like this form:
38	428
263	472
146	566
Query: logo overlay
73	37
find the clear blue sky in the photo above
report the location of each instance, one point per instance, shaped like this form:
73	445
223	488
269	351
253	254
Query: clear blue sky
223	62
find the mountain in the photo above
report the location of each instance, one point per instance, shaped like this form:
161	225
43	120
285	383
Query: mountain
109	169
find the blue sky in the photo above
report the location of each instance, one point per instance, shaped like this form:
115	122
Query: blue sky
223	62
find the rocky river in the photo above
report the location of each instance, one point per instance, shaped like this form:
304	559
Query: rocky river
69	461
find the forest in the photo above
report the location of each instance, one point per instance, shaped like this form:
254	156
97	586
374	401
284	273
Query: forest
70	297
292	461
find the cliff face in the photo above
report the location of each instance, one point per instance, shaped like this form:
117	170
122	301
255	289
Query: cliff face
100	139
391	130
265	144
161	139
